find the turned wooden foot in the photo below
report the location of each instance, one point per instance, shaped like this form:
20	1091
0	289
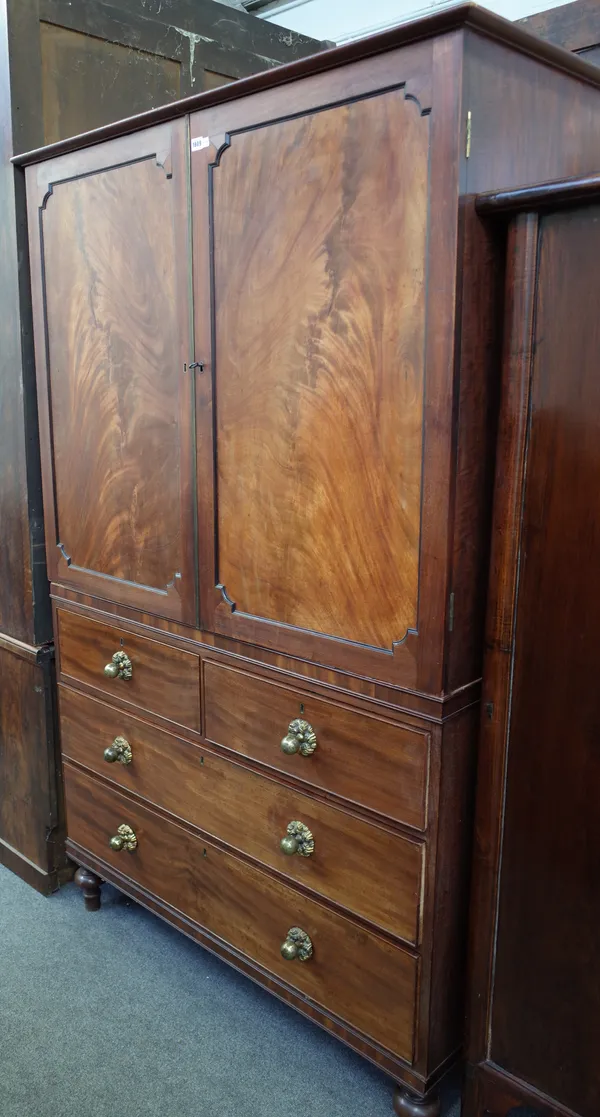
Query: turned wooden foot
407	1104
90	886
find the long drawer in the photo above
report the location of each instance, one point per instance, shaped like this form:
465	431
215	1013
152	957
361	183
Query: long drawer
163	679
363	867
353	973
358	756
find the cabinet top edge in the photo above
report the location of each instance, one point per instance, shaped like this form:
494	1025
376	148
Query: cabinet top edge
555	194
449	18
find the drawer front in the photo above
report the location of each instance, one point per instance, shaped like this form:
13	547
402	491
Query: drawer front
360	866
164	679
361	978
360	757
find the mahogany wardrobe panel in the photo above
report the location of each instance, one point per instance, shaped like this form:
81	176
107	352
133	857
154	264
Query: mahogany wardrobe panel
534	976
66	68
266	326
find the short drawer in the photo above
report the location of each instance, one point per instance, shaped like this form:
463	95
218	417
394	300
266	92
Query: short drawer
361	978
361	757
361	866
163	679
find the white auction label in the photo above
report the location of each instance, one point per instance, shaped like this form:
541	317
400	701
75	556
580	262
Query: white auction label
200	142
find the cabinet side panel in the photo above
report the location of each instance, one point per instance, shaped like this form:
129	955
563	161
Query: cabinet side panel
530	122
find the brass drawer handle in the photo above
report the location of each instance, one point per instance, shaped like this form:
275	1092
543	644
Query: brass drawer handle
119	750
297	945
119	667
124	839
298	840
300	737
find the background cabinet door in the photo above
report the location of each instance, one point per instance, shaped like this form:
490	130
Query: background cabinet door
109	240
318	241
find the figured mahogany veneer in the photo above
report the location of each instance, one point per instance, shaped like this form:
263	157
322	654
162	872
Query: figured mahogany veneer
362	758
254	912
293	406
164	680
363	867
326	453
133	332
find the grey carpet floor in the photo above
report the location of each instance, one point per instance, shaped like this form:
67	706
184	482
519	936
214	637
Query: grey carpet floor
116	1014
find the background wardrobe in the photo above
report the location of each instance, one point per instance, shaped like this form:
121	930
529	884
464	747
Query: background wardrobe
66	67
534	975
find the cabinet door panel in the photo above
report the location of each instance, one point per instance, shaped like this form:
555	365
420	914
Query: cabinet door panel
318	230
112	308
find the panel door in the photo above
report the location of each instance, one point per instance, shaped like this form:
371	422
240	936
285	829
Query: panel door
316	229
110	275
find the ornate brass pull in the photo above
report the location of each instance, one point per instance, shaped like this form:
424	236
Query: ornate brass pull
297	945
300	737
119	667
298	840
124	839
119	750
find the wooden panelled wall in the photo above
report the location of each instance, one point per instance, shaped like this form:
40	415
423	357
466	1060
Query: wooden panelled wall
65	68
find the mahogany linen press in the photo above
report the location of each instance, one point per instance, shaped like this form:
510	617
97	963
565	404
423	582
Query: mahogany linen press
266	327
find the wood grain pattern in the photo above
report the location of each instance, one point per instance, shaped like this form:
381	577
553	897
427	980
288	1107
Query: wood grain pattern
361	758
253	912
362	867
109	250
319	376
164	679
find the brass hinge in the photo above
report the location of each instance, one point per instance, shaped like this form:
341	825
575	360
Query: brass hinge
451	613
468	136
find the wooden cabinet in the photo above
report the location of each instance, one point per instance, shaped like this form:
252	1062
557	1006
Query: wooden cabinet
268	418
535	977
66	68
